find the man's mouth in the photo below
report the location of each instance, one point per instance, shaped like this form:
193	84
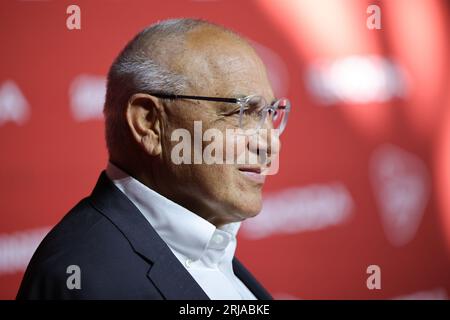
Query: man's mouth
253	173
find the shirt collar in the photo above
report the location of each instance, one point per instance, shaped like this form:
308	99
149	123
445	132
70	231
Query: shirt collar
180	228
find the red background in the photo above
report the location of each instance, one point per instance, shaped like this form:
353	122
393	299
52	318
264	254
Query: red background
387	159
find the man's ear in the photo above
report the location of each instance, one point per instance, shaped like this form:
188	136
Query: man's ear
144	119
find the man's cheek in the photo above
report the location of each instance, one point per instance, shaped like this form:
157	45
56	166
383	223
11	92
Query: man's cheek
235	148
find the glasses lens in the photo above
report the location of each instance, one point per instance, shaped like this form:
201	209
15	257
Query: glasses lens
255	104
251	112
255	112
278	114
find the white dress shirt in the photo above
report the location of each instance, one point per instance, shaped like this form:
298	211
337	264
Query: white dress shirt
204	250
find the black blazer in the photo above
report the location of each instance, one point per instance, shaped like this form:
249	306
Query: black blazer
119	254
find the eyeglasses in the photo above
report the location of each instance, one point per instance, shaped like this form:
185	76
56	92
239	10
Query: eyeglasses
253	110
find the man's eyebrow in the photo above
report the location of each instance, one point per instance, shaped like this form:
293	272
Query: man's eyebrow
236	95
241	95
224	106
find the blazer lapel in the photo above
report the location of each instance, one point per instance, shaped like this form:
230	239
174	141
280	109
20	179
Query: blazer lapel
166	272
252	284
174	282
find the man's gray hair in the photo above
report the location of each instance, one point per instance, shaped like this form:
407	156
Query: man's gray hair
138	68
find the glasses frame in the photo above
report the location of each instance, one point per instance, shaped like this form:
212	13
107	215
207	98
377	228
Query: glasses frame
242	102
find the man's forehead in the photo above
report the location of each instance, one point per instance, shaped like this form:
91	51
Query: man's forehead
233	76
268	96
209	34
219	63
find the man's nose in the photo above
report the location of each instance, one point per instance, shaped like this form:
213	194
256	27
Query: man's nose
265	143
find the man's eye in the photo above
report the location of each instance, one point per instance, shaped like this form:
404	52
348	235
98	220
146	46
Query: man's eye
273	113
233	112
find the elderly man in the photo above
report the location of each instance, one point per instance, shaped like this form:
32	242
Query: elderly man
155	227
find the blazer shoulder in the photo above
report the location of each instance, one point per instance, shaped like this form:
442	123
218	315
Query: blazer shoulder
85	241
82	225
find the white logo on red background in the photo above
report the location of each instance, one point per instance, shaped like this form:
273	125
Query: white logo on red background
13	105
87	96
401	185
17	248
295	210
356	79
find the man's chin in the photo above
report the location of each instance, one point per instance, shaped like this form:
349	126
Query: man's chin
250	210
